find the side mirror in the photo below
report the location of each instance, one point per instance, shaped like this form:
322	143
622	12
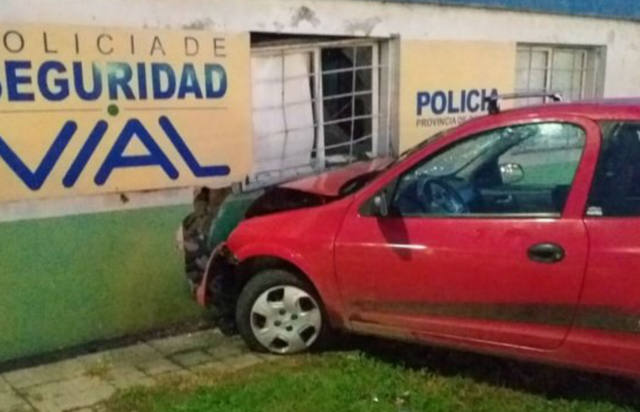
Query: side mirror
511	173
380	205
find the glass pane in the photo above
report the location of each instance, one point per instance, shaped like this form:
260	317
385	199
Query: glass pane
538	80
539	59
616	186
341	108
522	80
337	58
337	83
337	108
361	128
363	79
561	81
362	148
563	60
363	104
341	83
548	158
524	169
364	56
337	136
578	61
577	85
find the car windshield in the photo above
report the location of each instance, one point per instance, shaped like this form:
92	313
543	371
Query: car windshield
359	182
417	147
457	159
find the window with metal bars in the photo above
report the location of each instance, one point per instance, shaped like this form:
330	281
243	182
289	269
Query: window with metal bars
316	106
574	72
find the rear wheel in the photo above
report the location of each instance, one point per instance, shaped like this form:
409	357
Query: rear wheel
280	313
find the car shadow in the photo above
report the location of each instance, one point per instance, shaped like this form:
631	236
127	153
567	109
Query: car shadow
549	381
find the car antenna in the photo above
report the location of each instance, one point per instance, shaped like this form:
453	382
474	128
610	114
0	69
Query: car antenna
493	101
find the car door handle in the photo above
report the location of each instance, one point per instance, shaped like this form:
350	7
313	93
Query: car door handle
546	253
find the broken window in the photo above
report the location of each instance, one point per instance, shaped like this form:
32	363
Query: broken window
317	105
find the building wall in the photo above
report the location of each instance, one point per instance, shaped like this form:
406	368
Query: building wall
86	268
356	18
77	278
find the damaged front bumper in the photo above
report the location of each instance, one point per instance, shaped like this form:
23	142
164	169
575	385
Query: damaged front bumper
218	290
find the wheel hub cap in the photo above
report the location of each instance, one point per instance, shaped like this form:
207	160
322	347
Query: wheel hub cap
286	319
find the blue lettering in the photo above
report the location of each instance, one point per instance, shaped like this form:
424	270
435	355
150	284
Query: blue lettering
34	180
117	159
157	70
485	96
189	82
85	153
452	108
472	100
423	100
14	80
439	102
62	85
142	81
118	76
463	101
78	80
211	73
189	158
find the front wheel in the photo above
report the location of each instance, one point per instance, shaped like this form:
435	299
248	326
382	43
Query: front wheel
280	313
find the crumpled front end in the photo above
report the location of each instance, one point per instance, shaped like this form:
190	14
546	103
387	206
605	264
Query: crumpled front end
218	289
217	212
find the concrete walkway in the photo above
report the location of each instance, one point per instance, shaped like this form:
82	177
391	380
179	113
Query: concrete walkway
81	384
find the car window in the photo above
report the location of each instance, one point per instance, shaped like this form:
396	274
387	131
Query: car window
616	185
524	169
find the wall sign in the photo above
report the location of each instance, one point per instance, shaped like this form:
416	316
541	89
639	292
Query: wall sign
89	110
445	83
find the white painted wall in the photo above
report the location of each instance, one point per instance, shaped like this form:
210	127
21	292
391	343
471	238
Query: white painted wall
361	18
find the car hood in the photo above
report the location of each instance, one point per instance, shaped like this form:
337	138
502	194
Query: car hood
329	183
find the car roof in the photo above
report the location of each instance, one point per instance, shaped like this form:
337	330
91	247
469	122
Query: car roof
597	110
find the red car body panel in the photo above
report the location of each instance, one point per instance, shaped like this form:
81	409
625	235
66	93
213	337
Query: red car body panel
329	183
467	282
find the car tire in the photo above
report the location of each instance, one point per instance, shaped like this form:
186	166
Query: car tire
280	313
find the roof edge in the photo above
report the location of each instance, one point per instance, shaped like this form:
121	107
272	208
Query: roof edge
614	10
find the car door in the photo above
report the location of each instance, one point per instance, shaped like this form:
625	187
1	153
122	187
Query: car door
469	256
608	318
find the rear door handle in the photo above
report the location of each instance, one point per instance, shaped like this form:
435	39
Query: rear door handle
546	253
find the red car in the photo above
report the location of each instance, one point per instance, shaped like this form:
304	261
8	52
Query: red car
517	233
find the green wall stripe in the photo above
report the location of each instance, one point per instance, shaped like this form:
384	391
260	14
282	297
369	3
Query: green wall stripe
69	280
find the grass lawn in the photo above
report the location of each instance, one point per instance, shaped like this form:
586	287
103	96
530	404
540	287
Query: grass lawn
389	377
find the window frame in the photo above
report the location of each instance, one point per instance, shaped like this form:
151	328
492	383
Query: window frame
395	183
595	211
593	90
318	153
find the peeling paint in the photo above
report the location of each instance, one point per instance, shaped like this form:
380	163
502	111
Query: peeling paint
199	24
303	14
362	27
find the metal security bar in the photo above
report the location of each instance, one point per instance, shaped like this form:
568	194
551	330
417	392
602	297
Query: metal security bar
345	120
